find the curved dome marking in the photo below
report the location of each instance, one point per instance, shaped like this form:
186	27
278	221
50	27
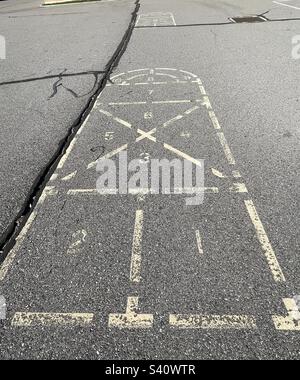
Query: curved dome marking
118	76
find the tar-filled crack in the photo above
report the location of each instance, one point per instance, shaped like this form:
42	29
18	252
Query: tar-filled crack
9	237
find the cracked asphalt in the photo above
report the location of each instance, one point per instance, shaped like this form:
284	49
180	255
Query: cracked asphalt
143	276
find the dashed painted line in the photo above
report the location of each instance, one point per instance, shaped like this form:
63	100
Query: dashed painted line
216	322
265	242
199	243
226	148
136	258
52	319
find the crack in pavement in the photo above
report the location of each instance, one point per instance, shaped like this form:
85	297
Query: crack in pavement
60	75
59	83
8	238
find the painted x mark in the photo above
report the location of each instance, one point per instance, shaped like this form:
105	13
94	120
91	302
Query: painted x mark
147	135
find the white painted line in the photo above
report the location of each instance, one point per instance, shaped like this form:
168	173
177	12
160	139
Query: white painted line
214	120
191	110
202	90
217	322
184	155
108	156
86	120
136	76
78	239
239	188
265	242
138	70
155	19
188	73
117	119
226	148
48	191
165	68
198	81
236	174
117	76
177	190
106	113
67	154
138	20
127	104
70	176
218	174
169	122
19	241
167	75
54	177
199	243
82	191
206	103
292	321
123	122
173	19
120	84
131	319
175	101
286	5
136	258
51	319
145	135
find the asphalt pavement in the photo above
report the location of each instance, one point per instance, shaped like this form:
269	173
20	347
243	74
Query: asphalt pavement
148	276
56	60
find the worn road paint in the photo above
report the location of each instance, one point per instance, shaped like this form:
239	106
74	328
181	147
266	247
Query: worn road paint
108	156
131	319
177	190
226	148
156	19
136	256
52	319
286	5
127	104
78	239
69	176
48	191
214	120
199	242
54	177
292	321
239	188
236	174
265	242
19	241
117	119
4	268
147	135
216	322
217	173
183	155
